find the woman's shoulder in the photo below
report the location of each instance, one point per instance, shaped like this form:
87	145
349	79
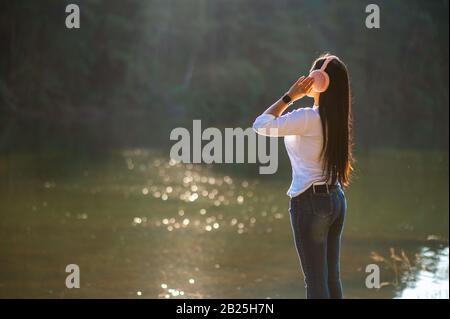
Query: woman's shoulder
314	121
308	111
311	112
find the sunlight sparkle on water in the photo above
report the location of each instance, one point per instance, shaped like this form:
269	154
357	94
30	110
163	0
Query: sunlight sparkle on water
432	279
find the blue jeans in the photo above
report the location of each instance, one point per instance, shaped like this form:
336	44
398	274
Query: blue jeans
317	221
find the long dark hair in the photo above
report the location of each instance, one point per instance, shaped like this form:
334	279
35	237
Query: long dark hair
335	109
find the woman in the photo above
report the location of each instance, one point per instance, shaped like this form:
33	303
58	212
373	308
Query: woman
318	140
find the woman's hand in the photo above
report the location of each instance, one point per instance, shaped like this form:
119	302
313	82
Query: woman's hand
300	88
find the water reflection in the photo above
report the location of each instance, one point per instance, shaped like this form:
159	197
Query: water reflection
431	279
168	230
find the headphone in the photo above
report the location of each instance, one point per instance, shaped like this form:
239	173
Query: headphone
321	78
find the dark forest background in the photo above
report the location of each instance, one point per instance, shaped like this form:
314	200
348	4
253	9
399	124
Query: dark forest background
136	69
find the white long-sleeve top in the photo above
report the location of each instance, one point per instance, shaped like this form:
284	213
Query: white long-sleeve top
303	138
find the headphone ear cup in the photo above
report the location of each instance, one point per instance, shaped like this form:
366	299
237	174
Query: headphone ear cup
327	82
321	80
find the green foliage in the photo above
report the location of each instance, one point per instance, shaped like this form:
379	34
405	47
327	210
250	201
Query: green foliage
144	67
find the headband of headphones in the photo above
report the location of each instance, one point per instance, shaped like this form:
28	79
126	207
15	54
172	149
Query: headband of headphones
328	59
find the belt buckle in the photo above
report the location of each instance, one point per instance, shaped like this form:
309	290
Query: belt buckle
326	184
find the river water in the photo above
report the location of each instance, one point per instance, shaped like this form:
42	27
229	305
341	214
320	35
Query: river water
141	226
